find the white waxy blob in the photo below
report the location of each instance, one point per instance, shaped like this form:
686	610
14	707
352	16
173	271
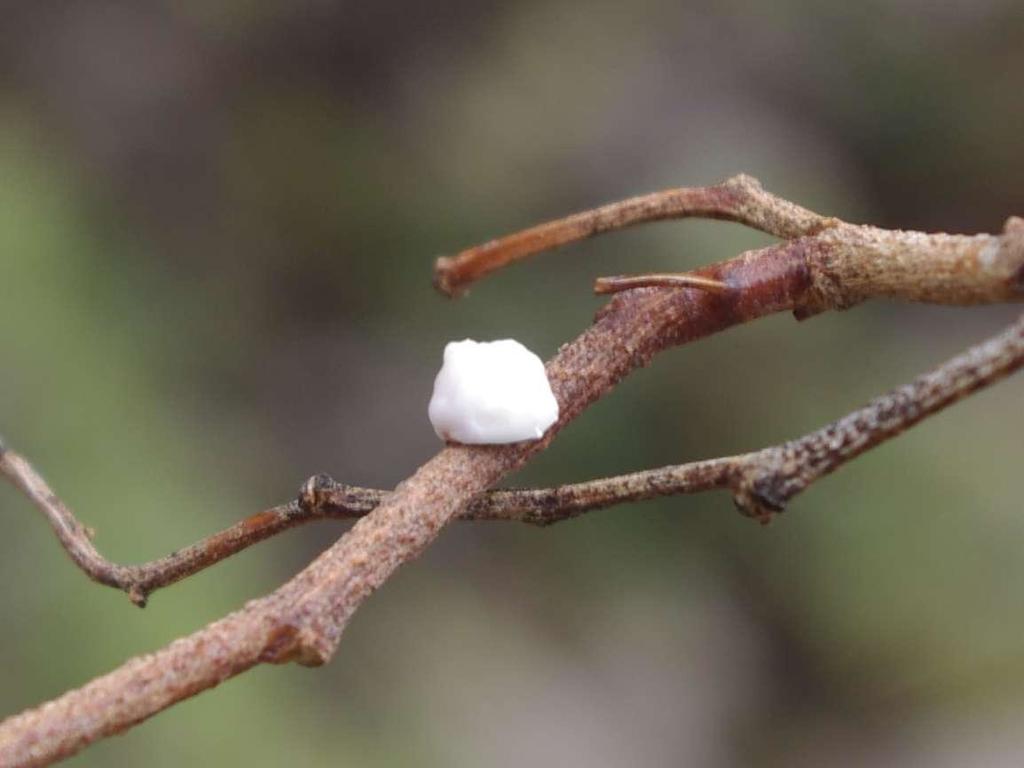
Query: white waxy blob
491	392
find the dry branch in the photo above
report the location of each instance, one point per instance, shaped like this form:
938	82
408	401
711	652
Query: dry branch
829	265
322	498
740	199
761	482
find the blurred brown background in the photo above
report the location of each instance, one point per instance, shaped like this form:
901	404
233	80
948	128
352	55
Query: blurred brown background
217	225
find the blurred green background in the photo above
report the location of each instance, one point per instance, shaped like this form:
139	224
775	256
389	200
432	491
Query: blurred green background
217	227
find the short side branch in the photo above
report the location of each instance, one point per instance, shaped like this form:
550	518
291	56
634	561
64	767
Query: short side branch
740	199
138	581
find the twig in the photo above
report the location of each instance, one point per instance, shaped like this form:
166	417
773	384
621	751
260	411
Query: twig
762	482
741	199
322	498
303	619
138	581
848	263
769	478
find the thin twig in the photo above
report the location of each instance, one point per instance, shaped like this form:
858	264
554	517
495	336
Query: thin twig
769	478
619	283
138	581
848	263
741	199
322	498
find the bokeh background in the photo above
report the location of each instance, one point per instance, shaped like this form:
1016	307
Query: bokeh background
217	227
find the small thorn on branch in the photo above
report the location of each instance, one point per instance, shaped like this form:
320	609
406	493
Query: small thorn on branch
618	283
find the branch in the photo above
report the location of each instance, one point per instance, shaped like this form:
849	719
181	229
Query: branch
761	482
619	283
740	199
766	480
303	619
322	498
847	263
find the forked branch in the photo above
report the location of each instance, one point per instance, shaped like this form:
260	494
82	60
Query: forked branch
847	263
741	199
761	482
826	265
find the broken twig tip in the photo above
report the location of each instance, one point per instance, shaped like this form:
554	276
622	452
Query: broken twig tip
444	278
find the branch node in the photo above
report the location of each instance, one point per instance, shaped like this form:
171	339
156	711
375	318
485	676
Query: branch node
137	595
312	492
744	183
764	485
282	645
758	503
